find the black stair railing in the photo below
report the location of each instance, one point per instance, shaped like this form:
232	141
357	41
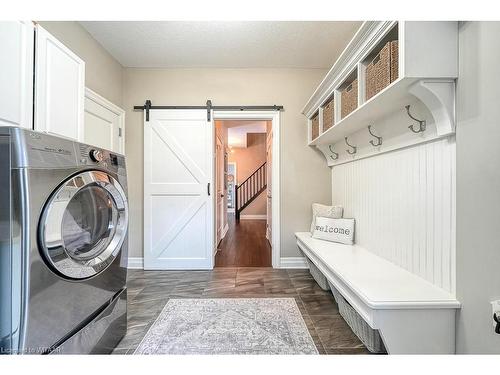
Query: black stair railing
249	190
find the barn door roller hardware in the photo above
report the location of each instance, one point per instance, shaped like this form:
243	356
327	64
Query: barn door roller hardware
209	107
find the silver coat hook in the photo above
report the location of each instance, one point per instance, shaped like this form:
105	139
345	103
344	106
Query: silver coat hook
379	139
334	155
421	123
354	148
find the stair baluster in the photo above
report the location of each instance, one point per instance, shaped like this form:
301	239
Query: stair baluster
250	189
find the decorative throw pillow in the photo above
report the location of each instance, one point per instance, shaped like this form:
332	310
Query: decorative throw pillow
334	230
334	212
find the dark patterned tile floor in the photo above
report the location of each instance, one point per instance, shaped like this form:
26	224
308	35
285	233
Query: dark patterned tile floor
149	291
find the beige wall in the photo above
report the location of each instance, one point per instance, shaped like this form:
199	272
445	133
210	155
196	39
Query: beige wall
305	178
247	161
103	74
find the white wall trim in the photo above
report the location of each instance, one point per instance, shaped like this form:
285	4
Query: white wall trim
103	102
253	217
224	231
294	262
135	263
275	117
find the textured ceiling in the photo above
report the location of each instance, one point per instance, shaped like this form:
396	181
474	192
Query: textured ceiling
168	44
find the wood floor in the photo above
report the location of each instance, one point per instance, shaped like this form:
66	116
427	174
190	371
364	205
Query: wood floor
245	245
149	291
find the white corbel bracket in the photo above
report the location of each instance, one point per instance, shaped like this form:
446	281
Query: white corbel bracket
439	97
330	154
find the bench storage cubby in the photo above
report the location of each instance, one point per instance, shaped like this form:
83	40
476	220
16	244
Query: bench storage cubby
368	336
318	276
412	315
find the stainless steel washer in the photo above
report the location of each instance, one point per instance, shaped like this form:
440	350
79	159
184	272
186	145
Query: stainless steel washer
63	245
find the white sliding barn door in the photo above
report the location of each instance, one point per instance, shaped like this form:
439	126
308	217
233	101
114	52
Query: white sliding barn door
178	189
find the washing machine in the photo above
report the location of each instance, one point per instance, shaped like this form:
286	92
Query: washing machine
63	245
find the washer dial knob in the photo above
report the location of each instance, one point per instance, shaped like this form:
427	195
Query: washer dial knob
96	155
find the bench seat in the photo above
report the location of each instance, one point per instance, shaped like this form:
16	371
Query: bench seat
412	314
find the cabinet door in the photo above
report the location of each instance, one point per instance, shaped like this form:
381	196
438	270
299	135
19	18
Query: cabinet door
104	123
59	88
16	73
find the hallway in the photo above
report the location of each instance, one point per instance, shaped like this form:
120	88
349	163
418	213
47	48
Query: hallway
245	245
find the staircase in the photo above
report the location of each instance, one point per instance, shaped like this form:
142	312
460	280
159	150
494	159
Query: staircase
249	190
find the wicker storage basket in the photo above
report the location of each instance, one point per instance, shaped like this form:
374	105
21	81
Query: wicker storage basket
349	99
328	114
315	127
318	276
382	70
368	336
394	60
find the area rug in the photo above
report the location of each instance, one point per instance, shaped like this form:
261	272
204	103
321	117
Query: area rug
228	326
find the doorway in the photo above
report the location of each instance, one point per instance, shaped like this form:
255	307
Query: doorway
244	148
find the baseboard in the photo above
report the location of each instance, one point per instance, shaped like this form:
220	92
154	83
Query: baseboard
253	217
293	262
135	263
224	231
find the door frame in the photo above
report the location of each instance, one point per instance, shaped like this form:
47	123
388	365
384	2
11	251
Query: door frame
275	117
235	179
217	174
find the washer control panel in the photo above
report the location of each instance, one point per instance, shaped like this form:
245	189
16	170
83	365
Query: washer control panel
41	150
91	155
96	155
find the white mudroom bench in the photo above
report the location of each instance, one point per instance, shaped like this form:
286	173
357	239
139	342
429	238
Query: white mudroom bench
412	315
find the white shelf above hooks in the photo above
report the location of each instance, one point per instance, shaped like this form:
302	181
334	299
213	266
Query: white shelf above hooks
428	68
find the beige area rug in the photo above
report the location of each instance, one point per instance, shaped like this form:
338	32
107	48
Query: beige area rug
228	326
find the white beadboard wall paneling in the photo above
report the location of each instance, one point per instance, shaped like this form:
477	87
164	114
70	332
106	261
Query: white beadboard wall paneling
404	205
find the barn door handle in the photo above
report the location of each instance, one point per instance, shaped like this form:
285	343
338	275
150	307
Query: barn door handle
208	188
497	320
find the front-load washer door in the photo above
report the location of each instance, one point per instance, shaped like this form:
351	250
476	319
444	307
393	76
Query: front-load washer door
84	224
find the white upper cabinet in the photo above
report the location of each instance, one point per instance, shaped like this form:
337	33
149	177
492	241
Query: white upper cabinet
59	88
16	74
104	123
